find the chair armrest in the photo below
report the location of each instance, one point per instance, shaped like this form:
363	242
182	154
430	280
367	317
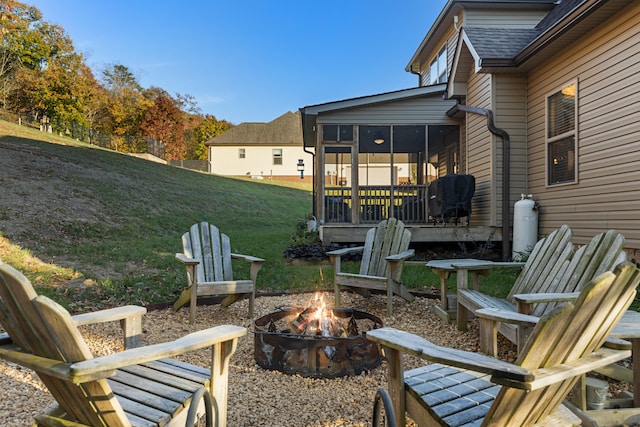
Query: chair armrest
105	366
401	256
54	368
109	315
247	258
591	362
503	373
130	317
420	347
186	260
546	297
506	316
344	251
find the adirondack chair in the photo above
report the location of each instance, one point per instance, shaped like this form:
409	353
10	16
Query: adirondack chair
385	249
464	388
208	259
543	290
136	387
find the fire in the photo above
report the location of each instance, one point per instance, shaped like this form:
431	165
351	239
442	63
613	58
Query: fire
318	319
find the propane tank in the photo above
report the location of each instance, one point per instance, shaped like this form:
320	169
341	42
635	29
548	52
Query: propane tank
525	227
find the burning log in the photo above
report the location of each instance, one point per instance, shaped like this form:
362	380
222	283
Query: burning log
316	341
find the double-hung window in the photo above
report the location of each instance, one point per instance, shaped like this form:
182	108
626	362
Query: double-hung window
241	153
438	68
277	156
561	135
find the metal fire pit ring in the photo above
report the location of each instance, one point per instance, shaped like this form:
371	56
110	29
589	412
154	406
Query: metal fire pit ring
315	356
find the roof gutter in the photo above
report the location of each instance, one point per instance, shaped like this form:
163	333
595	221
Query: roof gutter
506	185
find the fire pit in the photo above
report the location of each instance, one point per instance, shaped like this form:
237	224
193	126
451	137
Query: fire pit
317	342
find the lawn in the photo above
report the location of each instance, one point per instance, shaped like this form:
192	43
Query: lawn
93	228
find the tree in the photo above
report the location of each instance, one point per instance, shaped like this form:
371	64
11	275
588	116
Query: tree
126	107
209	128
164	122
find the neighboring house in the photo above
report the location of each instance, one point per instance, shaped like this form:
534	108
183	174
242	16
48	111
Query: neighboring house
544	96
270	150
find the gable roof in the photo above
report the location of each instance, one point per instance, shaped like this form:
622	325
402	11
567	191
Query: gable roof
453	8
284	130
512	47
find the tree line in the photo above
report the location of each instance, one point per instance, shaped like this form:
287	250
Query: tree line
43	75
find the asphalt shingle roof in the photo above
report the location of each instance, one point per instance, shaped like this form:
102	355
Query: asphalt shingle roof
499	43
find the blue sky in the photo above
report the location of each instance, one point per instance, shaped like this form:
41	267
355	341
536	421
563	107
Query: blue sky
252	60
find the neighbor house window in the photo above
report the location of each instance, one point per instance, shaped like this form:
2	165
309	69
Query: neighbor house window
241	153
561	135
277	156
438	68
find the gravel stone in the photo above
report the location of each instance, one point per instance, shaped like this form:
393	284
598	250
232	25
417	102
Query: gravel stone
258	397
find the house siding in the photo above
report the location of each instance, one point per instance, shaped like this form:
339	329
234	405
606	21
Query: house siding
480	151
422	110
258	161
510	114
503	18
605	63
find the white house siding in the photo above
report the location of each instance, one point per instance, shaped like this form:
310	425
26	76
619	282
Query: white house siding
258	161
510	113
503	18
481	152
606	63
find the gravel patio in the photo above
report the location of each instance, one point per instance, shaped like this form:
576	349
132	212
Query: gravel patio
256	396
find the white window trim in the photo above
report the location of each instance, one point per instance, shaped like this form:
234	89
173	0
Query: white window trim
549	140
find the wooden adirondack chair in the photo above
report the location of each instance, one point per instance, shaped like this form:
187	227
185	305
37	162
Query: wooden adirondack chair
208	259
385	249
536	294
135	387
463	388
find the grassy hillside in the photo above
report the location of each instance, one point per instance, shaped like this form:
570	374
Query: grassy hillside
100	227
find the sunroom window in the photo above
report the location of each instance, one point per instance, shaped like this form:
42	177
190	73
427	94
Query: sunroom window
561	135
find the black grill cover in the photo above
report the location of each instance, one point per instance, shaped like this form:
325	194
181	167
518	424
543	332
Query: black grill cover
450	197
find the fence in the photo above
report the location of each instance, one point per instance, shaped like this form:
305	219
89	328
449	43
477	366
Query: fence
128	143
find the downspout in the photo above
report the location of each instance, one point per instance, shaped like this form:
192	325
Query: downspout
313	162
506	154
313	179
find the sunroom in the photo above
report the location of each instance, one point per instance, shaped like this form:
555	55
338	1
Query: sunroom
374	158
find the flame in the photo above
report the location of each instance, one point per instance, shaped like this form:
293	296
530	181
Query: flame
320	318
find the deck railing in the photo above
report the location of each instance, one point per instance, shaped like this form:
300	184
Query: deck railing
405	202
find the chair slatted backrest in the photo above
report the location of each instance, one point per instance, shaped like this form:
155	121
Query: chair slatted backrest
389	237
544	263
563	335
603	253
205	243
55	337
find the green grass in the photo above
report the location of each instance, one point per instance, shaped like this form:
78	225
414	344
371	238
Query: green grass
94	228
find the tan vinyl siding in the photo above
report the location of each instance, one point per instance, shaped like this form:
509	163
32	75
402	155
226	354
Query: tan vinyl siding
503	18
606	63
510	112
480	151
430	110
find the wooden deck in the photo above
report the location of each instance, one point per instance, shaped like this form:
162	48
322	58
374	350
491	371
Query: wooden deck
420	233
